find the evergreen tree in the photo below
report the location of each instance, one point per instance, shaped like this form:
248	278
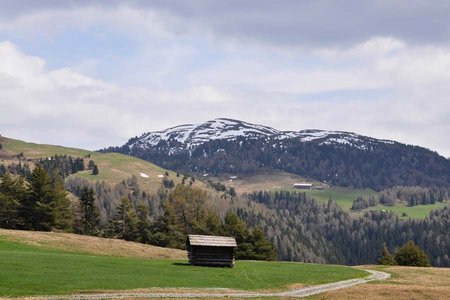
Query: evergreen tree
234	226
62	209
88	220
262	248
411	255
91	165
124	225
144	224
37	209
12	193
166	230
95	170
386	257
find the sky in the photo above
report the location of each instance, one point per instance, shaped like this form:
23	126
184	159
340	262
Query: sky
92	74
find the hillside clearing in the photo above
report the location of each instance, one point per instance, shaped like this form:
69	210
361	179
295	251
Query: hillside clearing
342	196
263	181
414	212
30	270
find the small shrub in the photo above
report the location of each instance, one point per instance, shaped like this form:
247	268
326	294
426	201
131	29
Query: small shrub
386	257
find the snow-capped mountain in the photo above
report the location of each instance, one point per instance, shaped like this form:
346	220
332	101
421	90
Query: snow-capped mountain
190	136
341	158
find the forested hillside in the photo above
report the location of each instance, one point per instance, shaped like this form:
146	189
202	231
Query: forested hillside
305	230
339	158
299	228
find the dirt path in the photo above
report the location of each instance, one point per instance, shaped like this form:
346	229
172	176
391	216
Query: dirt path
218	293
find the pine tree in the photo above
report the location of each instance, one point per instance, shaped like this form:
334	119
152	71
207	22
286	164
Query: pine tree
62	209
144	224
411	255
262	248
91	165
234	226
124	225
12	193
88	221
37	210
95	170
386	257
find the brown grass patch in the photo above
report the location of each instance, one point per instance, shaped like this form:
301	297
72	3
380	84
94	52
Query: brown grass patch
89	244
406	283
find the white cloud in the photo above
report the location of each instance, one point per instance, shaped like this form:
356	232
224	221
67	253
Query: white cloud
382	87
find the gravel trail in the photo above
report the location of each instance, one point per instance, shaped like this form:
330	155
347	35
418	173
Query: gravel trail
211	293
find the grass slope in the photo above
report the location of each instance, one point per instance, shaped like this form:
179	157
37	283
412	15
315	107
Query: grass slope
28	270
406	283
342	196
114	167
414	212
89	244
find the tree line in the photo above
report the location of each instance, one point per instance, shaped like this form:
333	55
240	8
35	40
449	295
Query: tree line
41	203
37	203
407	195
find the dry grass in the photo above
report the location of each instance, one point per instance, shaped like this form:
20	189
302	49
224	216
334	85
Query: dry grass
89	244
406	283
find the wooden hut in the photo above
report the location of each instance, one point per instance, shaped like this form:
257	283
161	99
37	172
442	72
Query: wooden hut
209	250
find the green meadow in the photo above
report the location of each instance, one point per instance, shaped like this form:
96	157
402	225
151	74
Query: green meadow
27	270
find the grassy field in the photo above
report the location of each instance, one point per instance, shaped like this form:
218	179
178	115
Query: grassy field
113	167
406	283
264	181
30	270
342	196
414	212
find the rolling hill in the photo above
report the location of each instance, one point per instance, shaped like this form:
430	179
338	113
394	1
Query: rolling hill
114	167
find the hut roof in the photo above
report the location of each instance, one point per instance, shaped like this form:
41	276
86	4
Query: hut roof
211	240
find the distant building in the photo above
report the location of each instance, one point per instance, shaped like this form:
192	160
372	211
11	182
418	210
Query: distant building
209	250
302	186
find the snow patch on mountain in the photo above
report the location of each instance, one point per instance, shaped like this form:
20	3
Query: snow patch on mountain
189	136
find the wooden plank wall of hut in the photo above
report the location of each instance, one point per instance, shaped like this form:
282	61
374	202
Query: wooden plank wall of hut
211	256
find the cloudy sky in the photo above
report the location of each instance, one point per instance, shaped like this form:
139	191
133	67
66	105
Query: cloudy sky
92	74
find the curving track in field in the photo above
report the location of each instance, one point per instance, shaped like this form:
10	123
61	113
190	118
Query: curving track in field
302	292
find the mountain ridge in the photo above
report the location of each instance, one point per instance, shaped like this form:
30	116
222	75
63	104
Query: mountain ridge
192	135
340	158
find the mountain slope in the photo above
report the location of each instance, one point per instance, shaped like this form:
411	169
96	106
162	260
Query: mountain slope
340	158
114	167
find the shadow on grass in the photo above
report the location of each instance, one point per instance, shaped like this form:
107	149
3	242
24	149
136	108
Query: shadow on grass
181	264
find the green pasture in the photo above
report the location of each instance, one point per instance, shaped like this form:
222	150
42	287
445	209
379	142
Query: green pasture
26	270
